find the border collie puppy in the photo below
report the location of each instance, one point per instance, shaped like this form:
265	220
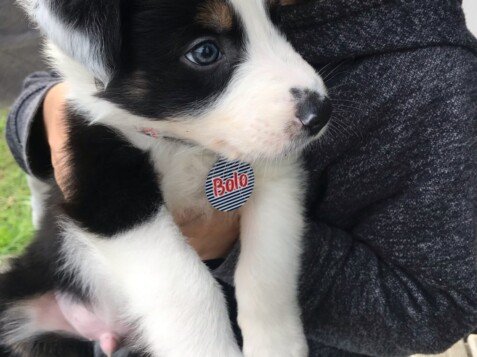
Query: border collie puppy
209	80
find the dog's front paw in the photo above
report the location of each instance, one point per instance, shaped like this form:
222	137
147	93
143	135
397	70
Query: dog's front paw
274	341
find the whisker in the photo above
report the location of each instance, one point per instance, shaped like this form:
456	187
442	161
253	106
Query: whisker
322	70
332	88
327	77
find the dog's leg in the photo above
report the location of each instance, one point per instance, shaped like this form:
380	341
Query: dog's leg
266	278
167	292
39	193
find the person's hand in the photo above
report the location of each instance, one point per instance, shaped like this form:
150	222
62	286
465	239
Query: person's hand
56	131
211	236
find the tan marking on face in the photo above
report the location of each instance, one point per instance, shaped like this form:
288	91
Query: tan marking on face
216	14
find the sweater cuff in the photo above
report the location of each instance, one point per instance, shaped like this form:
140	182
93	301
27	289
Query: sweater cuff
26	133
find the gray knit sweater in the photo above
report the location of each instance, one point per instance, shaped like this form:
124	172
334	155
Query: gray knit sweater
390	263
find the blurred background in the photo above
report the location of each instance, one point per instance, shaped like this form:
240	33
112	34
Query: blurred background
19	50
19	55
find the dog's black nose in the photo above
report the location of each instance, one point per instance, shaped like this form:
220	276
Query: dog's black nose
313	110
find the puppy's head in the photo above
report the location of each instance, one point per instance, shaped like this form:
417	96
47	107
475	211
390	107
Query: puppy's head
214	72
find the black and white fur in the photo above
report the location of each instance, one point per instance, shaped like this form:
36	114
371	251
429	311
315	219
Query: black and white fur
112	244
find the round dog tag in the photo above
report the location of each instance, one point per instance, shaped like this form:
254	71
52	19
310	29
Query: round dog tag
229	184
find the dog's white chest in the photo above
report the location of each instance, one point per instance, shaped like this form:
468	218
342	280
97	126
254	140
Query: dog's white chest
183	171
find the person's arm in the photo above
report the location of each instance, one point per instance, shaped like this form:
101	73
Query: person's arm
372	306
401	277
25	132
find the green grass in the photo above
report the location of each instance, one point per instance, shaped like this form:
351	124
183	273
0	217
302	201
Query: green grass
15	214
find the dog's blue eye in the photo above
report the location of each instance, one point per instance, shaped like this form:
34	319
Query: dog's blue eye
204	54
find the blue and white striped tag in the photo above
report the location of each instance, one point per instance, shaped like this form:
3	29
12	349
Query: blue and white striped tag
229	184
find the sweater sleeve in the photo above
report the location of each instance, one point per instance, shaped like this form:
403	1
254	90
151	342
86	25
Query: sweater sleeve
25	132
398	276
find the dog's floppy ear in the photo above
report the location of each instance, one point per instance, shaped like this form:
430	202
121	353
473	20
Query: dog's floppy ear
86	30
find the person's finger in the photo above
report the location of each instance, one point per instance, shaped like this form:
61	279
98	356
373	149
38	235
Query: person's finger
56	131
